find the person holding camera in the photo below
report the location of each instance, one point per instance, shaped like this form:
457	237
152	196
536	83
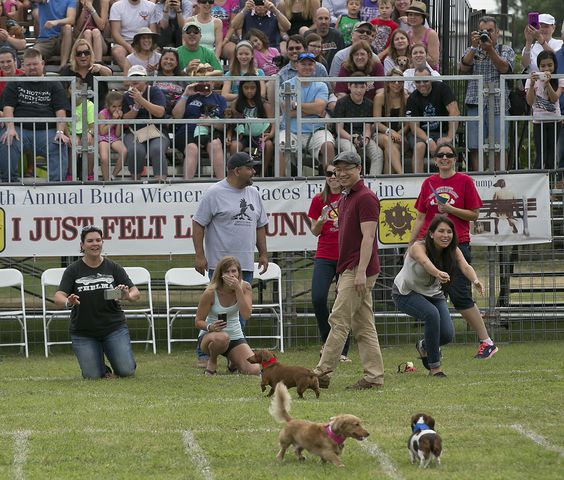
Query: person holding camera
200	101
486	58
93	288
217	317
173	15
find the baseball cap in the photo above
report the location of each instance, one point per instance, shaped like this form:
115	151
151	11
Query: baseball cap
191	24
348	157
547	19
359	25
137	71
241	159
306	56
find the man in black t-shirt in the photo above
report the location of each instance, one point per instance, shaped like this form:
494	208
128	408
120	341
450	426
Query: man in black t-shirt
357	136
430	99
39	100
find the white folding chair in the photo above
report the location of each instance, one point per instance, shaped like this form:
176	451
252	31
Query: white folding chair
10	277
265	310
182	277
141	276
51	278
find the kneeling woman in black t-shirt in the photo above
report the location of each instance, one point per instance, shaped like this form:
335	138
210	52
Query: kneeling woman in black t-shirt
98	325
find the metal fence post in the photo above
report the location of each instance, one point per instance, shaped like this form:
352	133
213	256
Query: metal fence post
287	92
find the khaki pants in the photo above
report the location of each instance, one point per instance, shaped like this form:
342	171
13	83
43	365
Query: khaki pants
352	311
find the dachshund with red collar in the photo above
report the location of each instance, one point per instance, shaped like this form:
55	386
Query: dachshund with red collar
325	440
424	443
273	372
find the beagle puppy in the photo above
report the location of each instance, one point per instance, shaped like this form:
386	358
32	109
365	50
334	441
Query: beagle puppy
424	443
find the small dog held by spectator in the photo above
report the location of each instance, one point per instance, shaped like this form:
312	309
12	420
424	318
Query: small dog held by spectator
325	440
273	372
424	443
402	62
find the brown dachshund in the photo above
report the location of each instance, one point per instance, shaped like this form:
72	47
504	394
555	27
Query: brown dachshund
274	372
325	440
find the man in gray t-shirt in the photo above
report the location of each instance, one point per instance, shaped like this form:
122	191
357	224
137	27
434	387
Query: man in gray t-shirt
231	219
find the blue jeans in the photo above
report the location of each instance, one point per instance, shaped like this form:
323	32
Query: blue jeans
247	277
40	144
324	272
116	346
439	329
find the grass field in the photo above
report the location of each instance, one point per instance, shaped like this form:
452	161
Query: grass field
499	419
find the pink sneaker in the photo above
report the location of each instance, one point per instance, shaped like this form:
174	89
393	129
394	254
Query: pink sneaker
90	177
69	177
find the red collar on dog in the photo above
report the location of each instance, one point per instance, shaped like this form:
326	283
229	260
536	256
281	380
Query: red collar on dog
268	362
338	439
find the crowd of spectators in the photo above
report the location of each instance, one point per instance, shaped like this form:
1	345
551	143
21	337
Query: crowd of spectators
148	39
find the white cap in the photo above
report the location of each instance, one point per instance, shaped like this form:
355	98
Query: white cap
137	71
547	19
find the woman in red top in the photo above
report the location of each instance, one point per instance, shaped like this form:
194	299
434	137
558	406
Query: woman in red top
324	225
454	194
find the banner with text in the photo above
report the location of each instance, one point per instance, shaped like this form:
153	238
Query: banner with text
156	219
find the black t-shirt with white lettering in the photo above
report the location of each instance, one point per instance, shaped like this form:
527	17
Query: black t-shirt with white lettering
35	100
95	316
346	108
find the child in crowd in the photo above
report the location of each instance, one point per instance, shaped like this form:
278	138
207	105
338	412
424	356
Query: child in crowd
346	23
255	138
358	135
263	54
109	136
80	130
543	94
314	44
243	64
368	10
385	26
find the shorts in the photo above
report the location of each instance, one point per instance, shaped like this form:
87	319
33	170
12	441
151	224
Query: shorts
48	47
472	128
312	142
460	289
231	346
182	138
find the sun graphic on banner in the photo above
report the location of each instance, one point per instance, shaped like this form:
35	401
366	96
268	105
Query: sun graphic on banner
396	219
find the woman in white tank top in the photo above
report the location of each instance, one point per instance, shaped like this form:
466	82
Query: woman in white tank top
217	317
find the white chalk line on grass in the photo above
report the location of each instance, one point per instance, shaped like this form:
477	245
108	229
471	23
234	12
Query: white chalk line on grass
196	453
538	439
104	431
385	461
20	453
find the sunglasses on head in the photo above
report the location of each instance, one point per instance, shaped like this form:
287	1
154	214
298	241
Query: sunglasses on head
82	53
445	155
170	49
330	173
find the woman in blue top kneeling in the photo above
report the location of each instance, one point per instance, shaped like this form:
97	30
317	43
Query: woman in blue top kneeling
217	317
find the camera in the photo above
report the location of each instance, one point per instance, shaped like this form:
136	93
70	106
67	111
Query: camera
202	88
484	36
542	77
113	294
259	3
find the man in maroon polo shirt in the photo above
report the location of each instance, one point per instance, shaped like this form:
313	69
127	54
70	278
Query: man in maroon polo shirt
358	267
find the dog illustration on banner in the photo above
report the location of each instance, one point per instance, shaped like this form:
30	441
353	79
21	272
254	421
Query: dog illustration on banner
506	205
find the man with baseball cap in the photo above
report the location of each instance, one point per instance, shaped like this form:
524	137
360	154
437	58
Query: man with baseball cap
358	267
361	31
537	40
231	220
191	53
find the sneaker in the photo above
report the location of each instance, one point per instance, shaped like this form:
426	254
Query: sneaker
345	359
438	374
422	354
68	178
363	385
486	351
203	363
90	177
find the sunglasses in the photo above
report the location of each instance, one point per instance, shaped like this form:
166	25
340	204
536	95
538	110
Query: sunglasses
294	49
83	53
192	31
445	155
364	32
209	2
170	49
419	82
330	173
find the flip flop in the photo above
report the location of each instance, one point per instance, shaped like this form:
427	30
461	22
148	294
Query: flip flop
209	373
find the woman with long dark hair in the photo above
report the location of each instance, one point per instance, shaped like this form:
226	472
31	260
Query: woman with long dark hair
419	287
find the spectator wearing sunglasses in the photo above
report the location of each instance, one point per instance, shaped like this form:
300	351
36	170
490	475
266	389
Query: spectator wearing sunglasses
191	54
296	45
211	28
98	327
91	21
12	36
361	31
430	99
126	18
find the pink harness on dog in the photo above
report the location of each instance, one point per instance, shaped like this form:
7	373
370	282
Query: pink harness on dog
338	439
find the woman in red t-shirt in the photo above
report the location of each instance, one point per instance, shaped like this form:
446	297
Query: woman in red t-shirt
324	225
454	194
